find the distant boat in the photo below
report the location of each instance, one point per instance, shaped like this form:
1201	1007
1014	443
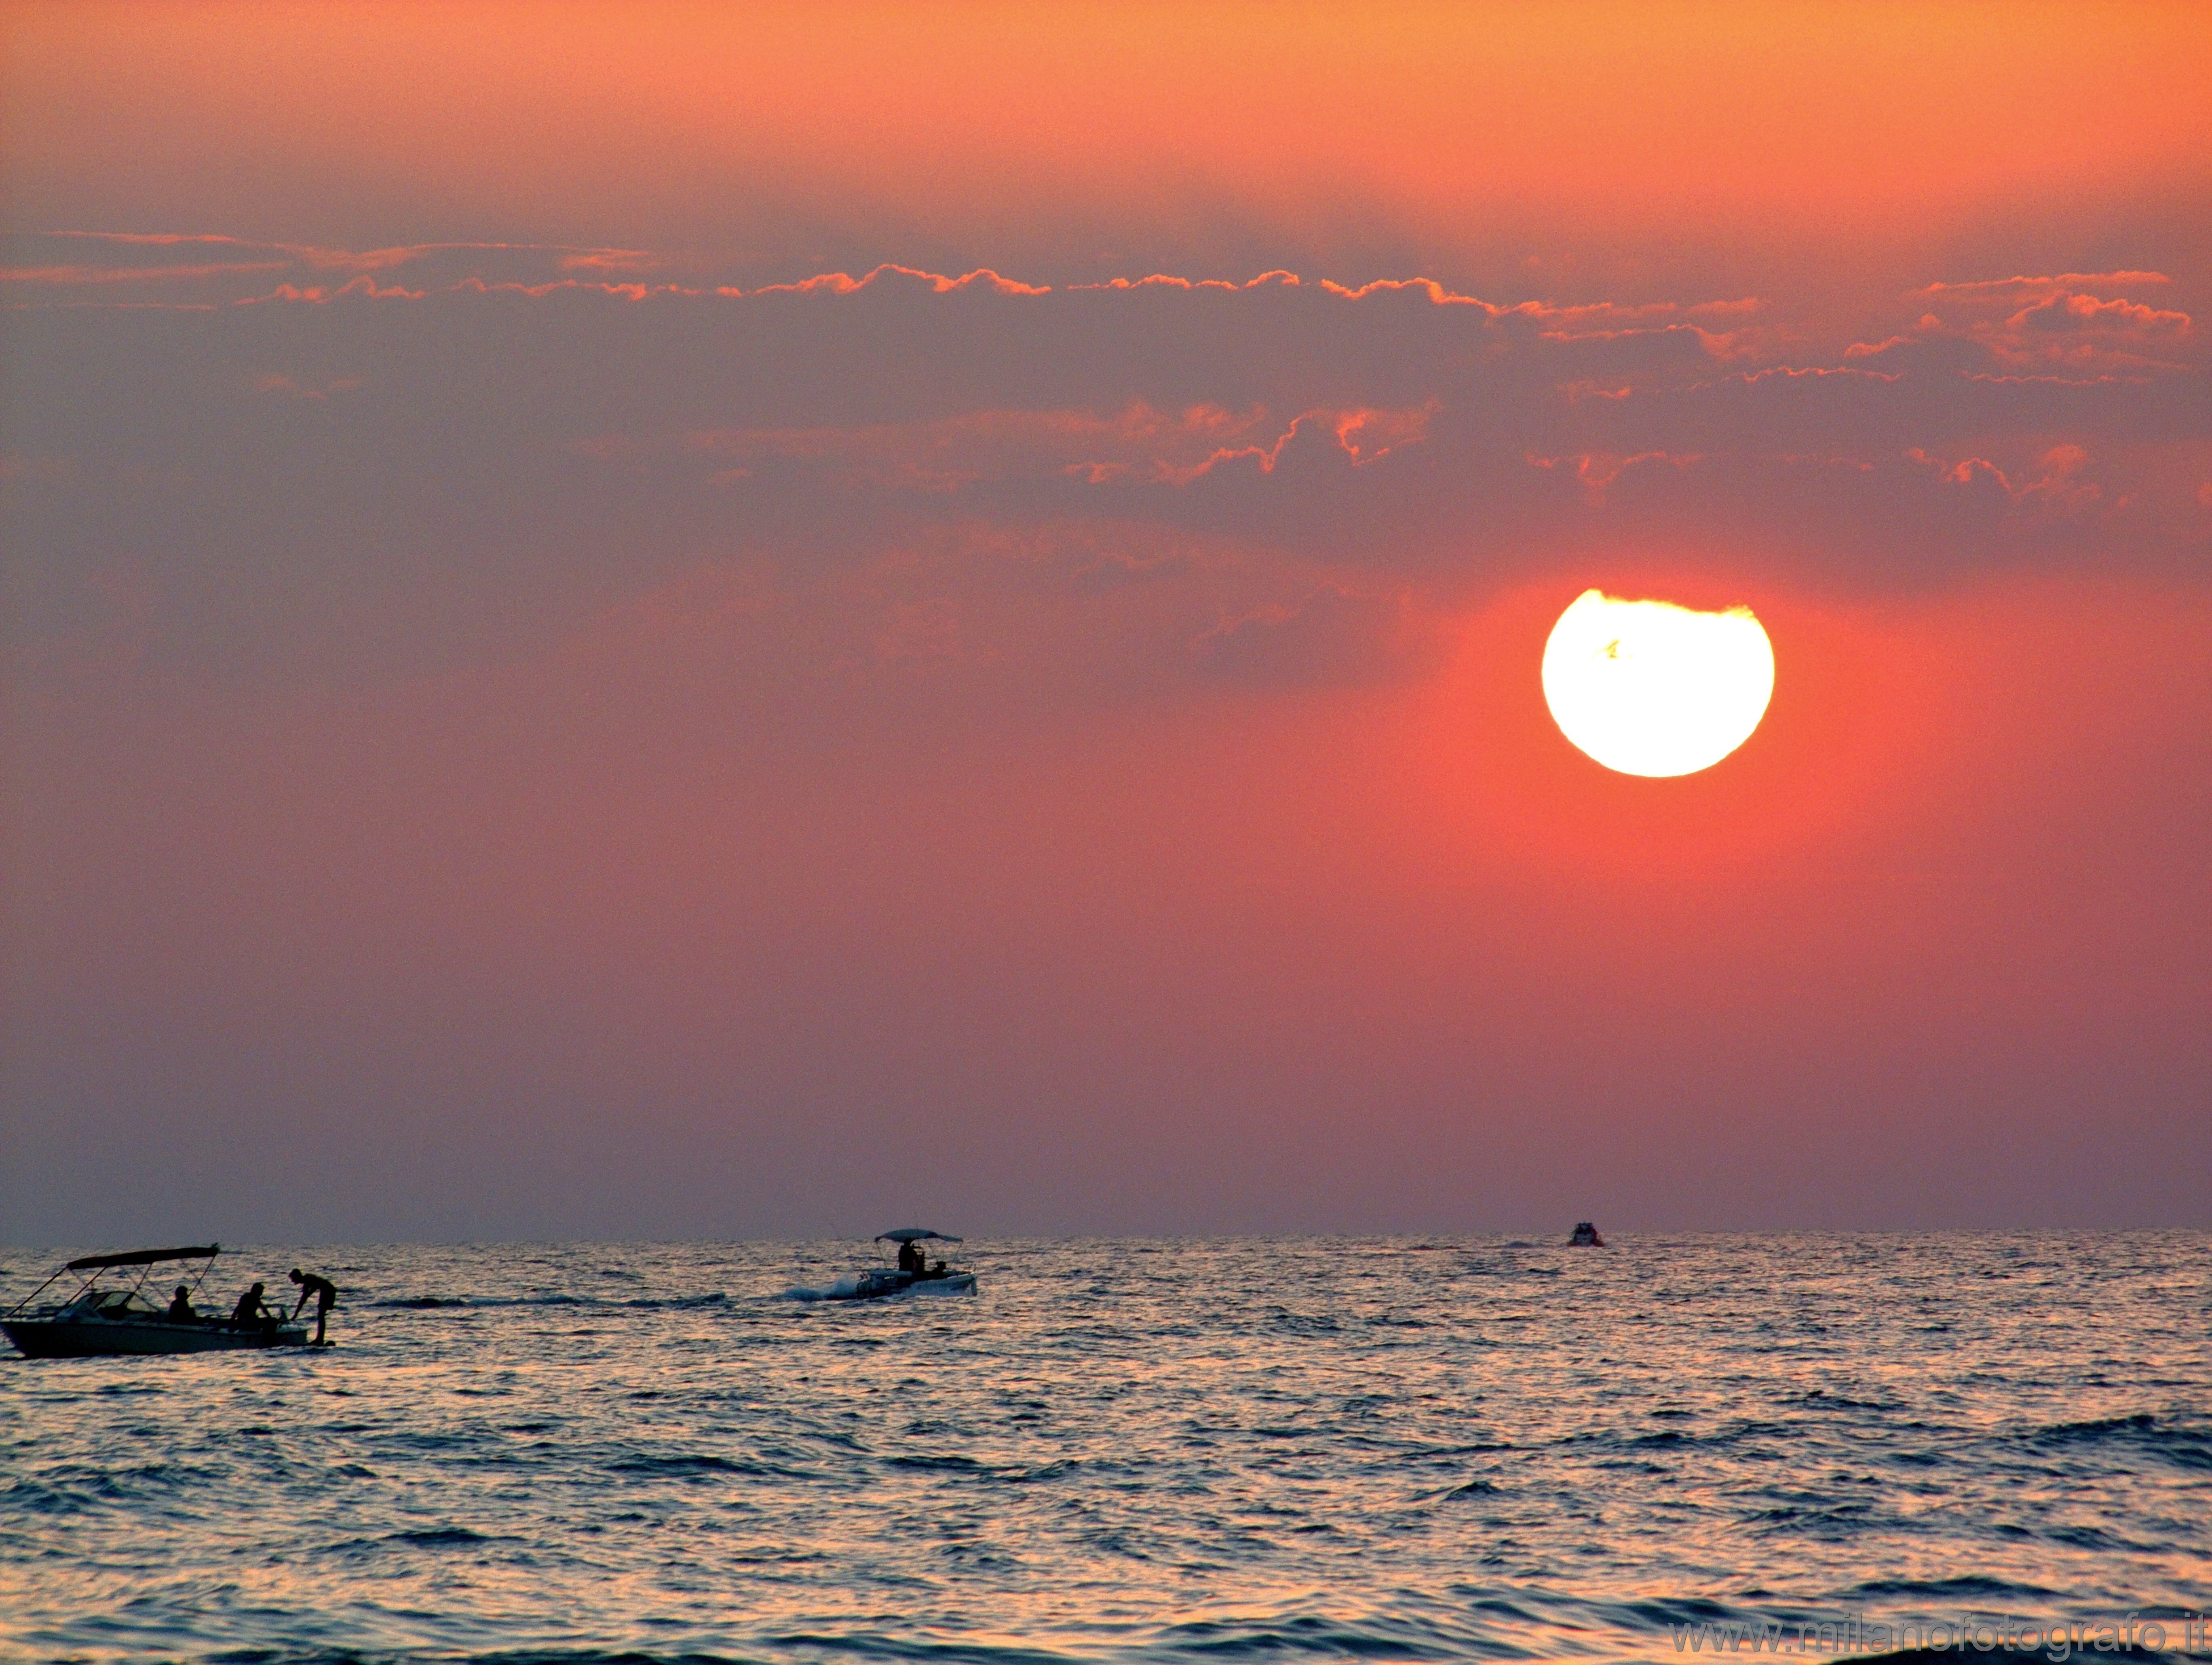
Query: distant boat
914	1274
1585	1237
99	1321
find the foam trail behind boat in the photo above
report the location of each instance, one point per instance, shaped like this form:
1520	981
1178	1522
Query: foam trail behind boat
843	1289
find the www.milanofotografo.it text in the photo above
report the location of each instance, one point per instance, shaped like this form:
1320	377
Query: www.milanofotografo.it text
2057	1639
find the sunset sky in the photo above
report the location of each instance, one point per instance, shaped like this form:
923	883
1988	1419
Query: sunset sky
663	620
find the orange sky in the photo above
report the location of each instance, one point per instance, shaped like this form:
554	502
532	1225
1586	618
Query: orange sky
490	668
1600	134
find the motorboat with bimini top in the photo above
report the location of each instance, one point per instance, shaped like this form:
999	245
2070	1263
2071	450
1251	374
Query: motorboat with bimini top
104	1318
913	1273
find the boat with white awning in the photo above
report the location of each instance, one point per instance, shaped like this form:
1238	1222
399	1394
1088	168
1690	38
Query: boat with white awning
913	1273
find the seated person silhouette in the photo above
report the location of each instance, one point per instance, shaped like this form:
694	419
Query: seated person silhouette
180	1309
252	1309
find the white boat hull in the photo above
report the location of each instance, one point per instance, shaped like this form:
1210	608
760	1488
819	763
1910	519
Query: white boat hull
957	1283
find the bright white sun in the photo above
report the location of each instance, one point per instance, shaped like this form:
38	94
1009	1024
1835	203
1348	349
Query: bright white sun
1651	689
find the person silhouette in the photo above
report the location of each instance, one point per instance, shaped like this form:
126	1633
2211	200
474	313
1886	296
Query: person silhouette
180	1309
252	1309
909	1258
324	1292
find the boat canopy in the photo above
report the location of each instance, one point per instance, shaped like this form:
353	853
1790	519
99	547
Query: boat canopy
913	1234
144	1257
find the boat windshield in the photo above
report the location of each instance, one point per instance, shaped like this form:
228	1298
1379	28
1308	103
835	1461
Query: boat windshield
113	1304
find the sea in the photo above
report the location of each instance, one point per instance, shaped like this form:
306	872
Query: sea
1449	1448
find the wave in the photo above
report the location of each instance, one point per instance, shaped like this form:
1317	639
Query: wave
693	1465
33	1498
2102	1428
954	1464
1472	1488
1321	1637
561	1298
1968	1587
439	1537
2189	1447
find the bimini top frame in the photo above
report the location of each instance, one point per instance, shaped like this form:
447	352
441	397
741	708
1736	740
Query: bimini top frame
95	1264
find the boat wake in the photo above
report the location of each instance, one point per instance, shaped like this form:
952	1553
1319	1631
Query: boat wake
843	1289
859	1287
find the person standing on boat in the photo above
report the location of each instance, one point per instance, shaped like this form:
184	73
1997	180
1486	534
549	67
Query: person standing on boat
180	1309
325	1293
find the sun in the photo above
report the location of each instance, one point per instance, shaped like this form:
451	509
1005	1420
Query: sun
1650	688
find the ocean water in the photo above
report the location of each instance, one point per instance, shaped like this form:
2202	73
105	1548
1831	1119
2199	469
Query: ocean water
1144	1450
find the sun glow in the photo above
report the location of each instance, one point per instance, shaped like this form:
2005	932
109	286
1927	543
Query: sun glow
1650	688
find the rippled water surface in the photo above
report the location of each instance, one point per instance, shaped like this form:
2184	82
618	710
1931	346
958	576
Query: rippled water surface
1287	1450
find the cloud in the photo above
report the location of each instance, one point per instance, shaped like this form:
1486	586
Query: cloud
276	381
358	259
1597	470
2072	313
609	260
73	277
1137	443
2060	483
2074	320
2007	287
1793	371
359	288
1370	439
98	261
891	276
